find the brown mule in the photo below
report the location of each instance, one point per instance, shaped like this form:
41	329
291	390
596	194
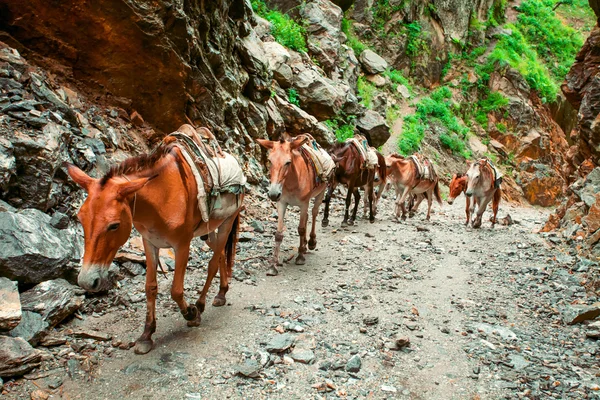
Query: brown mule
481	185
458	185
404	176
156	193
293	183
349	172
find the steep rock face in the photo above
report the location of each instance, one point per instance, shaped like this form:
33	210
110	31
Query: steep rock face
582	89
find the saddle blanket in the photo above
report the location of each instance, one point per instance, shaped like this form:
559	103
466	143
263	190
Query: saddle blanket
497	174
424	168
215	171
320	159
367	153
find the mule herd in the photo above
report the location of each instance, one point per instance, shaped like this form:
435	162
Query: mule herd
161	194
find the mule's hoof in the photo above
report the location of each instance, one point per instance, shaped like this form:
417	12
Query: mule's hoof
191	313
344	224
312	244
143	346
351	222
272	271
325	223
195	322
300	260
372	220
219	301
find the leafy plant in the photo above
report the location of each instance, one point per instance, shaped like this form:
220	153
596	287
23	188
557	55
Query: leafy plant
397	78
353	41
293	97
366	91
342	130
501	127
415	42
284	29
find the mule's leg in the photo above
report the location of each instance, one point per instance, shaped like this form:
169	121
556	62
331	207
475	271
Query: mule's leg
495	206
472	209
415	207
356	194
312	243
281	209
330	189
213	267
401	201
221	243
483	203
365	206
429	195
369	194
300	260
144	342
182	253
468	210
348	200
397	205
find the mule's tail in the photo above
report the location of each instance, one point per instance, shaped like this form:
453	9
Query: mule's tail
382	171
231	245
436	192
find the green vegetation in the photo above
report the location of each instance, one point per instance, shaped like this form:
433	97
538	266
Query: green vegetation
353	42
436	109
397	78
366	91
285	30
415	39
577	13
555	42
382	13
494	101
341	129
501	127
293	97
392	114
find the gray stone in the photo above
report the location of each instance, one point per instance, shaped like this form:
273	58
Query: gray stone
17	357
32	250
374	127
280	343
8	165
133	269
323	29
249	369
497	330
319	95
10	311
298	121
354	364
372	62
46	305
59	220
303	356
403	90
257	226
577	313
37	159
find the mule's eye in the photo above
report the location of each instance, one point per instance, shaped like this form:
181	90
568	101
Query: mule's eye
288	162
113	227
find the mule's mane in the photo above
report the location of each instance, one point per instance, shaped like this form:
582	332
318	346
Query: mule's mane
398	156
138	163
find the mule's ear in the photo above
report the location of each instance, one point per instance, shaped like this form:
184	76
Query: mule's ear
267	144
80	177
127	188
454	176
298	142
469	162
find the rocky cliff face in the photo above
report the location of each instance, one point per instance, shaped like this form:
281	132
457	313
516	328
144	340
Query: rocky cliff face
577	220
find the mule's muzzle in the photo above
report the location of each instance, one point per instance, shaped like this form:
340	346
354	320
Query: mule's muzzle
275	191
450	201
94	278
469	194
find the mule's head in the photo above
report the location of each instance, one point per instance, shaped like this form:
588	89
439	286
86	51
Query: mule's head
457	186
280	160
106	219
473	177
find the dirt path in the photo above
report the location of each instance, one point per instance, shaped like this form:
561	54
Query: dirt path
391	145
451	290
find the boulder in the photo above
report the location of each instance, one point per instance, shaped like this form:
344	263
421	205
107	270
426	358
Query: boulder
319	95
575	314
10	312
275	54
46	305
280	343
372	62
323	29
17	357
32	250
377	80
8	165
374	127
38	157
298	121
541	185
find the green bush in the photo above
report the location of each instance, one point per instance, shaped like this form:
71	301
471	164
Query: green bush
494	101
366	91
342	130
285	30
293	97
501	127
435	109
397	78
515	51
353	42
415	42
